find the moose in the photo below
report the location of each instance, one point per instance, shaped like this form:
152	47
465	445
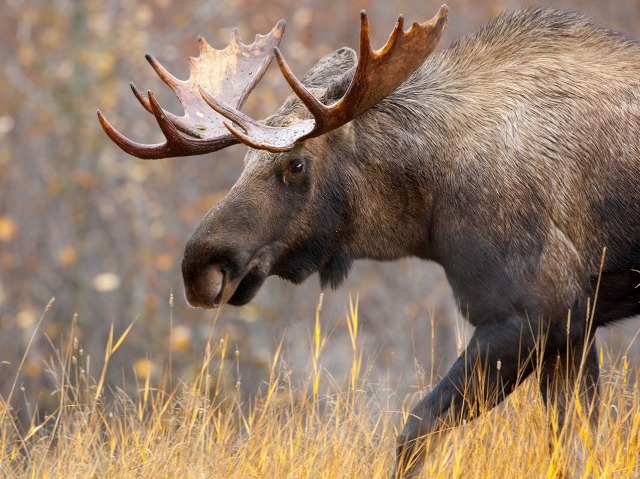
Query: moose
511	158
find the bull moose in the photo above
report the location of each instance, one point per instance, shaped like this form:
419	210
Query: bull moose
512	158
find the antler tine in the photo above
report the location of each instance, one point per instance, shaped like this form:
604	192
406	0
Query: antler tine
257	135
395	34
317	109
145	152
162	72
225	110
144	101
169	80
264	144
171	133
365	37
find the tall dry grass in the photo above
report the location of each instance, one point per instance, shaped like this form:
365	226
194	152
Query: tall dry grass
320	428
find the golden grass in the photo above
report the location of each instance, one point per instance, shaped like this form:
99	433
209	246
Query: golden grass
321	428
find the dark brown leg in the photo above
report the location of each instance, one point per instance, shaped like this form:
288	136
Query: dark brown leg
495	361
561	374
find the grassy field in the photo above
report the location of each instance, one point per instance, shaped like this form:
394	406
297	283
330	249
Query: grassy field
320	428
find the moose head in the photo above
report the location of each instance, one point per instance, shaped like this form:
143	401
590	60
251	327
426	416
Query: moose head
292	211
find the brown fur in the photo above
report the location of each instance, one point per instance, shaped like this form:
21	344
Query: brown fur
512	158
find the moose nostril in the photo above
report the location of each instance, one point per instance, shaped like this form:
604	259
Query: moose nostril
204	288
215	280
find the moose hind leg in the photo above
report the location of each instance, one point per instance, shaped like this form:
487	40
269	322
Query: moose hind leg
495	361
569	378
562	373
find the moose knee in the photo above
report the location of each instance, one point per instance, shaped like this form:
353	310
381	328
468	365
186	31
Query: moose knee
414	442
410	450
410	433
421	426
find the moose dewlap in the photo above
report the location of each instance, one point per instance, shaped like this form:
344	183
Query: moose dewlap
512	158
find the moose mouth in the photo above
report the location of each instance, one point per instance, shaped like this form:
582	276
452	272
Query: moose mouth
217	286
246	289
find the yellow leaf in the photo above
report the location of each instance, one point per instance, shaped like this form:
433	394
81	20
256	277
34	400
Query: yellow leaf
33	369
143	367
8	228
25	318
67	256
164	262
180	338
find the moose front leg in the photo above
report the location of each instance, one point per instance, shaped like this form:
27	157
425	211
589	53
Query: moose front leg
495	361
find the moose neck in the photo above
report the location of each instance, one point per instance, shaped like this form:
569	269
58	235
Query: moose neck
398	150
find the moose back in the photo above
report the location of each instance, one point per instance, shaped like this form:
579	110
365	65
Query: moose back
512	158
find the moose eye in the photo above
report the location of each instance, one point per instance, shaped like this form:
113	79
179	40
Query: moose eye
296	167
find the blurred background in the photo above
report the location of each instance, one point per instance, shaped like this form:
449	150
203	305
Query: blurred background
104	233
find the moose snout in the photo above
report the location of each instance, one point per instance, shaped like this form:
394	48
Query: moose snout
203	288
217	256
205	266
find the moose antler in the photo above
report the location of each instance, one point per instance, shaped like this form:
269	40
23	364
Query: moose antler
222	80
230	74
377	74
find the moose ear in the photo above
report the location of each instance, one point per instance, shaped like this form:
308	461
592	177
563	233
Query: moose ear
327	80
332	74
330	68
